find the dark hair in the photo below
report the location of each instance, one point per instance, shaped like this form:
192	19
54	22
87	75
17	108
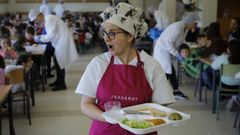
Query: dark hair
213	31
2	63
234	50
23	58
30	30
201	36
6	37
237	19
4	32
183	46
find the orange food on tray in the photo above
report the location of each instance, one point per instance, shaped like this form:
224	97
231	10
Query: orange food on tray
156	122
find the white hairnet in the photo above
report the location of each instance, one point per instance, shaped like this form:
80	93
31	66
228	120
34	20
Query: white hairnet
188	2
162	19
190	18
32	15
127	18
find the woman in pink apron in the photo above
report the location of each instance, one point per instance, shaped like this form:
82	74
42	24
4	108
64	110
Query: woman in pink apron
122	74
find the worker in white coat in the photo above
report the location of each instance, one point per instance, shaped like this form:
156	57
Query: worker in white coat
59	9
166	47
62	40
45	9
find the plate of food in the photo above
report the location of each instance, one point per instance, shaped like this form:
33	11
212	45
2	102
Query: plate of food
145	118
36	48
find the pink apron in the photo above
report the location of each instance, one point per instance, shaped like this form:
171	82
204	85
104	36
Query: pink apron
126	84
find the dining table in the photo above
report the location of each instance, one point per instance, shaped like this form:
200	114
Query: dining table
5	93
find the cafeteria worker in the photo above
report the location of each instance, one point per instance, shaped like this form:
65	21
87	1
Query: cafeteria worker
122	74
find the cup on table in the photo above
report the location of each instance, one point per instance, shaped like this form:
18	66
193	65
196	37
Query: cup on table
112	105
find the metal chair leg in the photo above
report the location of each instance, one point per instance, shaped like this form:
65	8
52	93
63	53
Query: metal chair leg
205	90
236	118
196	87
28	110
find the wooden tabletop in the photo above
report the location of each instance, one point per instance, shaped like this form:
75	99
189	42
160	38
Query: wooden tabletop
4	90
206	60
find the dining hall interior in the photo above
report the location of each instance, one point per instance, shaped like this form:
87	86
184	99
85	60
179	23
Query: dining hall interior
49	107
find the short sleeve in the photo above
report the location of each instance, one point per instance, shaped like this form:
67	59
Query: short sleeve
88	82
162	92
91	77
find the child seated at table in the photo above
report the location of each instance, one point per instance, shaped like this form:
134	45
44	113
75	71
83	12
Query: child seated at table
6	51
188	60
29	36
231	56
24	61
184	52
211	47
2	73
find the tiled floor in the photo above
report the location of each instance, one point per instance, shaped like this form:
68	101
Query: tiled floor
58	113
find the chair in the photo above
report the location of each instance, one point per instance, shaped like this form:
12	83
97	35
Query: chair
226	70
16	77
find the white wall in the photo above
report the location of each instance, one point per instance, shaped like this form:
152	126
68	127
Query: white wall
150	4
25	7
3	7
209	13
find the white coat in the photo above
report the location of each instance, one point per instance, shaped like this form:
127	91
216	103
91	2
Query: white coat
59	10
45	9
62	40
166	45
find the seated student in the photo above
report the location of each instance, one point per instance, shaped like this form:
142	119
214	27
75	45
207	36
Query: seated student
6	51
29	36
24	61
184	52
211	47
231	56
2	73
18	46
189	60
234	33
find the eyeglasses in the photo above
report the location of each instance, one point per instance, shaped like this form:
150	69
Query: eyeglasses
111	34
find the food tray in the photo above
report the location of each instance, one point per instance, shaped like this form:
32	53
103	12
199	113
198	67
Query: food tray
36	49
116	117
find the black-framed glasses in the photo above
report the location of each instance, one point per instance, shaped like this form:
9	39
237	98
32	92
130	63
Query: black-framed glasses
111	34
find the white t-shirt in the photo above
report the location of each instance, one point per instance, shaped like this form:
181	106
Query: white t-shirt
162	92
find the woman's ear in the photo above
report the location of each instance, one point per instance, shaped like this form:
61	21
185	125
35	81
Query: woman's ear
130	38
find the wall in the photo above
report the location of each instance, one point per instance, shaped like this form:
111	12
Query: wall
209	13
25	7
3	8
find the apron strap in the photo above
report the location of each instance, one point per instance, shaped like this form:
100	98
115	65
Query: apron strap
139	63
111	60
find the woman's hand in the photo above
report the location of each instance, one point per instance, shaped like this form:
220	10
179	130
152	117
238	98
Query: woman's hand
89	108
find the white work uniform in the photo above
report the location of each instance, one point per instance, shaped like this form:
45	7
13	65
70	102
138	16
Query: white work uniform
62	40
59	10
162	92
45	9
166	45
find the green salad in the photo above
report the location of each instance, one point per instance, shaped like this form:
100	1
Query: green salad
137	124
